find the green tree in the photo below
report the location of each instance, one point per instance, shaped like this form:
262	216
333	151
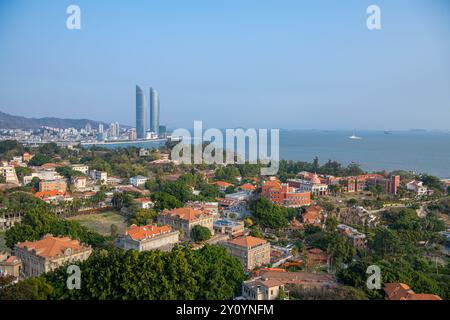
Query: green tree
142	217
200	234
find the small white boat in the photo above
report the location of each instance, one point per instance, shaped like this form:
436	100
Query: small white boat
354	137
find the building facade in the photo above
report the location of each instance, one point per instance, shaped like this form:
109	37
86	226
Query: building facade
285	195
185	219
53	185
9	173
49	253
149	237
154	111
250	251
141	114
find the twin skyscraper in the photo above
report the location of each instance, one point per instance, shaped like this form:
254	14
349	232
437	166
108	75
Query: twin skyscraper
141	113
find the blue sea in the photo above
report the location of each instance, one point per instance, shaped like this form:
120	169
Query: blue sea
418	151
421	152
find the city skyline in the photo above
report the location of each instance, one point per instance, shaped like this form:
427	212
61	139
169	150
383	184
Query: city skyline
278	65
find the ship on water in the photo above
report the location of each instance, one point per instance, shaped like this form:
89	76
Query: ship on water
354	137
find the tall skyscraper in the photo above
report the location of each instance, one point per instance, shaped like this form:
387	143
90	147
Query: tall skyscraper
141	111
154	111
88	127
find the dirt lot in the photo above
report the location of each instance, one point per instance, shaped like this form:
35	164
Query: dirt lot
102	222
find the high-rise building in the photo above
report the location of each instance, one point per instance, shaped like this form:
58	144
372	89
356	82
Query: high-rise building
154	111
114	130
100	128
88	127
162	131
141	110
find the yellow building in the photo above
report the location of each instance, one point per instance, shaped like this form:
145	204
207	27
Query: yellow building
49	253
250	251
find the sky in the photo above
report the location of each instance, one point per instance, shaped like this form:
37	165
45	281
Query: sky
263	64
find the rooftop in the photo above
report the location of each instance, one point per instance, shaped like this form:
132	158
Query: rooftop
248	241
186	213
146	232
50	247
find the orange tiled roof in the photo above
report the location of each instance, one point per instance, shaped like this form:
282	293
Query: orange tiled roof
145	232
47	194
248	242
248	187
401	291
222	184
186	213
272	184
12	260
422	296
50	247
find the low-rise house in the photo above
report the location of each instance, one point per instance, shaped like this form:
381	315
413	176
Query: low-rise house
313	185
250	251
229	227
101	176
269	283
262	289
358	238
418	188
401	291
138	181
223	185
248	188
317	258
11	266
79	182
9	173
144	203
53	185
149	237
84	169
51	196
49	253
48	174
185	219
313	216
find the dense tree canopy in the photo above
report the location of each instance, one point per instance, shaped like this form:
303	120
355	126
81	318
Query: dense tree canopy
200	233
208	273
38	222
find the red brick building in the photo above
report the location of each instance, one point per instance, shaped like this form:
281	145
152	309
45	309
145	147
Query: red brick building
285	195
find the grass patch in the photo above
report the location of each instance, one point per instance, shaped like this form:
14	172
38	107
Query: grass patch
101	222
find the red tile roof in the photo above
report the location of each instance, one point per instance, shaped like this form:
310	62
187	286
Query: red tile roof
401	291
51	247
248	242
186	213
47	194
248	187
223	184
145	232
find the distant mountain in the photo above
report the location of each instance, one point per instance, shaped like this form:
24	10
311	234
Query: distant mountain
8	121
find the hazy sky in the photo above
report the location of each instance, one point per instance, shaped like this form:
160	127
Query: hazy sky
252	63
